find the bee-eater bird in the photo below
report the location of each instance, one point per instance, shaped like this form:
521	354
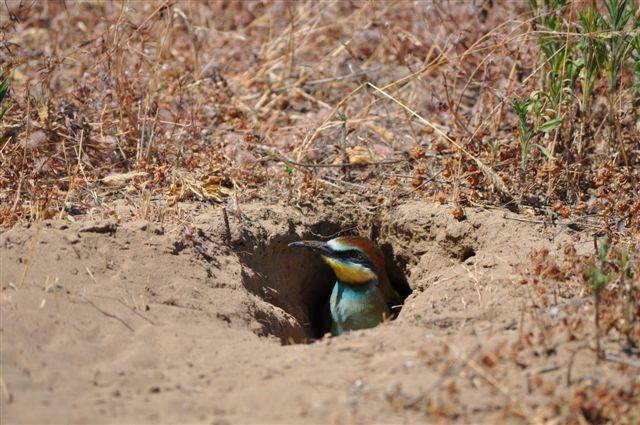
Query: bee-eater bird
362	296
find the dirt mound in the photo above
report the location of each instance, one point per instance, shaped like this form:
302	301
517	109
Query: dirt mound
136	322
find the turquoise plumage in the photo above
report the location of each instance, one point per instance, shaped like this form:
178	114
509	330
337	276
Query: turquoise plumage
362	296
356	307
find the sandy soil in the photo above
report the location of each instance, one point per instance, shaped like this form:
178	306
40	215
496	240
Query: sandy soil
108	322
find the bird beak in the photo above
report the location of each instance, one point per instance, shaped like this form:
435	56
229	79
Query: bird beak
317	246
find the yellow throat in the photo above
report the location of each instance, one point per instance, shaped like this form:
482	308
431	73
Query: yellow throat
350	273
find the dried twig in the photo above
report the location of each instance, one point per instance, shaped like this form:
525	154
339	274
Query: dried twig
109	315
227	227
125	305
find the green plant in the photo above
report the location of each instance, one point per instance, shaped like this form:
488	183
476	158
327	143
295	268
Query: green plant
625	265
612	277
533	120
598	278
289	170
618	49
526	130
634	43
559	70
617	40
493	146
592	56
4	89
578	48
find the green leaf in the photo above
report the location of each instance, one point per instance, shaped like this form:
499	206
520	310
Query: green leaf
4	88
288	169
550	125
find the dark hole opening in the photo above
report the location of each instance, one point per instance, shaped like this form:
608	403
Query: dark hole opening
316	296
299	282
467	253
395	266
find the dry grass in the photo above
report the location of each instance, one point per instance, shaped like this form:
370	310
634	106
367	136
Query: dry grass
255	96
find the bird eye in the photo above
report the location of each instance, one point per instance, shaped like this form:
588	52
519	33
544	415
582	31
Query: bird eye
355	255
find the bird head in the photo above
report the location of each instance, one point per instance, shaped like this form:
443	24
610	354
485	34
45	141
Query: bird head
354	260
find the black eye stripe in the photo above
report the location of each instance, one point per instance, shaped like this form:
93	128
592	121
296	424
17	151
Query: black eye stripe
356	256
350	254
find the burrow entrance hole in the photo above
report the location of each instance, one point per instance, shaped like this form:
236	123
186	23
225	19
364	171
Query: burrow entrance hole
298	284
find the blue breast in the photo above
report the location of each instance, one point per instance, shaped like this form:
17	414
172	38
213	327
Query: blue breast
356	307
